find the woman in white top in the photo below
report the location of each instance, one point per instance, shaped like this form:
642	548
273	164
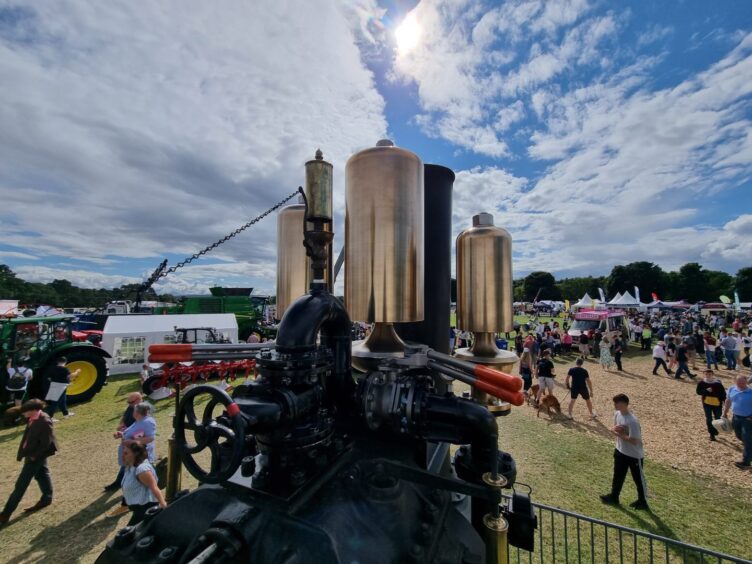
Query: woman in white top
140	488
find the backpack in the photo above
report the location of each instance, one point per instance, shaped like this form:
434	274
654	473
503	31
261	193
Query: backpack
17	382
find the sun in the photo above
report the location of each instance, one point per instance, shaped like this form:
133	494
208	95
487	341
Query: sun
407	34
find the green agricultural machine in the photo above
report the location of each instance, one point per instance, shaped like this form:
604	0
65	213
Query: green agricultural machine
249	310
42	340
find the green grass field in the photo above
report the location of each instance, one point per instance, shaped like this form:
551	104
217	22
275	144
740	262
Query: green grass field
565	468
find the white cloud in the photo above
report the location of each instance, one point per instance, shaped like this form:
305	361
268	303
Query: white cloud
138	130
17	255
79	277
463	64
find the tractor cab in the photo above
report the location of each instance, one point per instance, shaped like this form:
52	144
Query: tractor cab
199	335
43	340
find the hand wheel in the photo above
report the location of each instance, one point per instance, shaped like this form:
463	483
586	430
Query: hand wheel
207	433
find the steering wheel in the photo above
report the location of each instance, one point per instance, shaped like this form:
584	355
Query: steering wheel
207	433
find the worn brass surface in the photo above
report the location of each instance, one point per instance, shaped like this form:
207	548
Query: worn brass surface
484	277
496	539
318	188
382	343
293	272
384	259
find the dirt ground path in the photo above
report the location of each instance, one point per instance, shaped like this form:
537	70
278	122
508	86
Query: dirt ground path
669	411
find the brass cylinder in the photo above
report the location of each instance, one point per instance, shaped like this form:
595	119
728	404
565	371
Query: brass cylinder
318	188
496	529
384	254
173	469
293	272
484	277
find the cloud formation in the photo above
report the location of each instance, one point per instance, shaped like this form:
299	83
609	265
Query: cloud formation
624	168
134	131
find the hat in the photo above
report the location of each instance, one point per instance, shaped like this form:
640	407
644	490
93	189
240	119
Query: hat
662	343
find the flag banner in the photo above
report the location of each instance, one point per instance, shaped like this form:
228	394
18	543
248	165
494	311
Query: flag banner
637	293
655	297
725	299
602	293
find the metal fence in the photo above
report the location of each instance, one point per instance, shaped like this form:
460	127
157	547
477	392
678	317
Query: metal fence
565	537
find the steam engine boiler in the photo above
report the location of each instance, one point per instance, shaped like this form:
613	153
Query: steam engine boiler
339	451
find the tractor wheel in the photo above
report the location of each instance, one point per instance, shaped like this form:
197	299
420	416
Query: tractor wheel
91	378
151	385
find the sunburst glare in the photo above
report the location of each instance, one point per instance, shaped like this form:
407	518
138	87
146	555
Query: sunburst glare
407	34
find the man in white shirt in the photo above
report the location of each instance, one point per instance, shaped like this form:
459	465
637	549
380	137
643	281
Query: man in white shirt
659	356
628	454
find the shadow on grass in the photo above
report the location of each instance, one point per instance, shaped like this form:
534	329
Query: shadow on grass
82	526
128	387
649	521
12	434
628	374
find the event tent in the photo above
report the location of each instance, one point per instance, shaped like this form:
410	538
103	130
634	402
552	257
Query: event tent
658	304
615	299
587	301
625	301
127	337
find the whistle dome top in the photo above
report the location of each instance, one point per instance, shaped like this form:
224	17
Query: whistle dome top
384	253
319	188
484	277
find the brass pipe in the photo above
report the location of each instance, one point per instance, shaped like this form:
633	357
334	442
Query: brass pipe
496	529
173	470
173	458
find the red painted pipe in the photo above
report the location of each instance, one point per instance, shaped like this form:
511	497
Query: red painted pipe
498	378
515	398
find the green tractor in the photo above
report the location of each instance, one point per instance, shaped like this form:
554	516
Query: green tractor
42	340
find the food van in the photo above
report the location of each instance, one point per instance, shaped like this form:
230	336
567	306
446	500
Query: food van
611	323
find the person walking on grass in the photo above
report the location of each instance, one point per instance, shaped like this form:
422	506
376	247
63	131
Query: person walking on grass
605	353
739	400
628	455
618	351
682	358
579	383
584	343
37	445
659	356
713	395
545	371
60	379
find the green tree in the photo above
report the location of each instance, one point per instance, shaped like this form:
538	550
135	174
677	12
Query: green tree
10	284
693	283
574	288
543	281
743	284
648	277
718	284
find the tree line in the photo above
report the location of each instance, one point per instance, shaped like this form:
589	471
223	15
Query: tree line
691	282
62	293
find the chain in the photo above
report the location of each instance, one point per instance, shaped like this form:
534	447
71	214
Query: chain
224	239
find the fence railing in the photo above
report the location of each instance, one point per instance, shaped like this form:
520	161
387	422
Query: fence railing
565	537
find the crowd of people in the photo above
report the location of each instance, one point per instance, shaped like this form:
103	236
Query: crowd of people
682	341
136	455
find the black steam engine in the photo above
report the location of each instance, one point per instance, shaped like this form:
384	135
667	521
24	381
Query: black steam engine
314	462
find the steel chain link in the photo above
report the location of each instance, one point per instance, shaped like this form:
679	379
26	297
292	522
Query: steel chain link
240	229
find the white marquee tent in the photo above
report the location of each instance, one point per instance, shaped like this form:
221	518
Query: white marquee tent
587	302
626	301
615	299
127	337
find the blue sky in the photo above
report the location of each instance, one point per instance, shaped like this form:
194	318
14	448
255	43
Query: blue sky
597	133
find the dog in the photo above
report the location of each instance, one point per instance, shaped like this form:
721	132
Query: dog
549	403
532	393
